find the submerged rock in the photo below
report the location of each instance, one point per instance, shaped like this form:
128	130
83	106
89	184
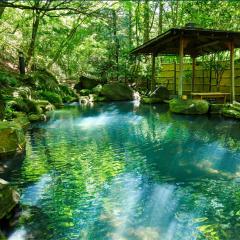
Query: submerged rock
12	139
9	198
37	117
117	92
188	106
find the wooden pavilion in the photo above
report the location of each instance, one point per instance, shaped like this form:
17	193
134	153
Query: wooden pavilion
194	42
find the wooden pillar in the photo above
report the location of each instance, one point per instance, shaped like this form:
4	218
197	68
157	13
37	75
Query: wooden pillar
153	82
175	78
181	54
232	72
193	72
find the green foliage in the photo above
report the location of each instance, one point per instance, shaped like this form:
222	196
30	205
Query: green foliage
7	79
52	97
22	105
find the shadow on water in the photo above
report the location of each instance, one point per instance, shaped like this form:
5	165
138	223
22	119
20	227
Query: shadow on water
130	171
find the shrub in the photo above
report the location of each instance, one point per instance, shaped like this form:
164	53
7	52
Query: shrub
7	79
52	97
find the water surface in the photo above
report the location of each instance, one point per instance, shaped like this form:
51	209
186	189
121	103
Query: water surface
123	171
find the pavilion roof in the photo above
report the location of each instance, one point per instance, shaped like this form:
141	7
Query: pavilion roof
198	41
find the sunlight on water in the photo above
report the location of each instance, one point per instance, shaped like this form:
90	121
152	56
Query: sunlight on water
131	172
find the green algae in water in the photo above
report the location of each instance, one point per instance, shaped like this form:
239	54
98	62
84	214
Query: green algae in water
123	171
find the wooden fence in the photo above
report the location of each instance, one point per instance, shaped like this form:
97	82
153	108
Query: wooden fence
168	74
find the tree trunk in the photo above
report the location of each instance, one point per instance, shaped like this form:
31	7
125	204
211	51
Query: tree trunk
116	41
146	21
130	43
1	11
160	18
31	48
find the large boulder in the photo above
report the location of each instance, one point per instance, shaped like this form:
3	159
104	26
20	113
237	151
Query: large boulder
12	139
117	92
188	106
86	83
161	92
9	198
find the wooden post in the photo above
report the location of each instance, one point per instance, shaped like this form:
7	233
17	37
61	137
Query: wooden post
153	82
180	81
175	78
232	71
193	72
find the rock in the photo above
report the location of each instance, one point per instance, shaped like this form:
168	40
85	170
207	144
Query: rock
150	100
24	92
96	98
188	106
84	99
97	89
117	92
84	92
9	198
45	105
231	113
231	110
161	92
21	119
86	83
12	139
37	117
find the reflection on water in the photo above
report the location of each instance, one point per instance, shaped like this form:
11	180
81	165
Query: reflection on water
129	171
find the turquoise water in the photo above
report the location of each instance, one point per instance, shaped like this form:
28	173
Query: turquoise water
123	171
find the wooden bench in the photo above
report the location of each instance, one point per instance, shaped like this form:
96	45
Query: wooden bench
210	95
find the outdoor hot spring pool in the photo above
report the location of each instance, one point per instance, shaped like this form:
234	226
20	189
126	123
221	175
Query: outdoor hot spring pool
123	171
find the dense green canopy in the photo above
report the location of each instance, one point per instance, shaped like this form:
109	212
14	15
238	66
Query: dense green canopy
72	38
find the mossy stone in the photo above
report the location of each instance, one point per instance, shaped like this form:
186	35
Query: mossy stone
9	198
117	92
21	119
188	106
12	139
37	117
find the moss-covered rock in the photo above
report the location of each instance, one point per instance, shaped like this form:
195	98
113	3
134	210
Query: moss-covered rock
37	117
12	139
21	119
45	105
117	92
231	113
84	92
150	100
52	97
188	106
97	90
24	105
86	83
9	198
